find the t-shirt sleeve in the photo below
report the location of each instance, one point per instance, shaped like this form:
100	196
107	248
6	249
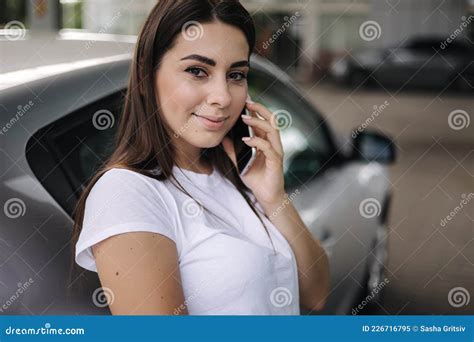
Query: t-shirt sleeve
122	201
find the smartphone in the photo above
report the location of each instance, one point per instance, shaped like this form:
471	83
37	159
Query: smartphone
245	154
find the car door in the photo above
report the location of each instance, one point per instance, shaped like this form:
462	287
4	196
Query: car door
64	155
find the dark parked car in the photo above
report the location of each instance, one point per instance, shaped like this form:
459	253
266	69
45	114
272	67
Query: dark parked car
431	62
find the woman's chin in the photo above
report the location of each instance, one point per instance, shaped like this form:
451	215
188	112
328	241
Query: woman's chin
211	142
214	144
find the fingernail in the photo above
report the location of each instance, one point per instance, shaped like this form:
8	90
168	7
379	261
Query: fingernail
249	100
245	116
245	138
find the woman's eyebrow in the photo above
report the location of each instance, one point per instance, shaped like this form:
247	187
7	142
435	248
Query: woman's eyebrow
211	62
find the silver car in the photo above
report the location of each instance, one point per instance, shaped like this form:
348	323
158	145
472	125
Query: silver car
51	144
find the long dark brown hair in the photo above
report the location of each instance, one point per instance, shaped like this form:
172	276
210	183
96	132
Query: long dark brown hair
143	138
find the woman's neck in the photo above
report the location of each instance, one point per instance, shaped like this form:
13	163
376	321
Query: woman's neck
200	166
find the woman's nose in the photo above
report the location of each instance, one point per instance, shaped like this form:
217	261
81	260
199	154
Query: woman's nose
219	93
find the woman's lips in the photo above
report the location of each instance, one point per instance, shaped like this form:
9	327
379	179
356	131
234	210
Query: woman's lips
209	124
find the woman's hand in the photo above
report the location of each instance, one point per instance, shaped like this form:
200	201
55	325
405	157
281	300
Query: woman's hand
265	176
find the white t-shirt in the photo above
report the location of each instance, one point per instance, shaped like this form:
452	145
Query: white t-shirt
226	269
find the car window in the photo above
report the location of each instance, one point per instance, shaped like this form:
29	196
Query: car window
95	147
96	134
304	135
66	154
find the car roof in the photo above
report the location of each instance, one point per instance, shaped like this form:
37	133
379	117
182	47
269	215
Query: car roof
36	56
41	55
40	49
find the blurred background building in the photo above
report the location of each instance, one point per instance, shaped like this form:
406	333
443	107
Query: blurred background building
301	36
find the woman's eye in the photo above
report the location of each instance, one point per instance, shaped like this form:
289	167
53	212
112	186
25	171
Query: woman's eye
196	71
201	73
238	76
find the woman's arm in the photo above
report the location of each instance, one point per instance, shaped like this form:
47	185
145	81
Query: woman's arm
266	180
141	269
312	261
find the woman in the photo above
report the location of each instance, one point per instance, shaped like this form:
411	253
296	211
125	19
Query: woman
168	223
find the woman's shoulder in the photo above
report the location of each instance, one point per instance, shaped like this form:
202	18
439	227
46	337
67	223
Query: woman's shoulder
122	171
121	180
118	175
124	193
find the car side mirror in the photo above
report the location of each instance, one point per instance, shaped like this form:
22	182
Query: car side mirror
373	146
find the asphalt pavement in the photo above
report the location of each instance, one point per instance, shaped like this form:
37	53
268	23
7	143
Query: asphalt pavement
431	243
